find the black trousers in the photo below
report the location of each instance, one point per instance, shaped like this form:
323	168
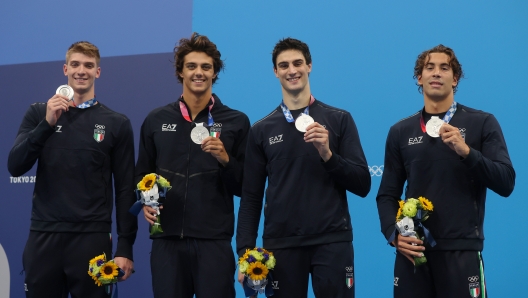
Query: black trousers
450	274
330	265
57	264
185	267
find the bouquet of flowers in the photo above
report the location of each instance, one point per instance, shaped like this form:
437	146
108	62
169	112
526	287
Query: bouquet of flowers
411	214
149	190
104	273
256	264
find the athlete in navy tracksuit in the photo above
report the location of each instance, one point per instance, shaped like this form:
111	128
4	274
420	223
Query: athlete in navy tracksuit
193	255
307	224
453	171
81	146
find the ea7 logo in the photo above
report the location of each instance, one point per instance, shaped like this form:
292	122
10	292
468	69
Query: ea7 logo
396	281
414	141
168	127
275	284
275	139
58	128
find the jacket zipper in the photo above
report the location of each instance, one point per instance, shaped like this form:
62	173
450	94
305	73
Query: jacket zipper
186	185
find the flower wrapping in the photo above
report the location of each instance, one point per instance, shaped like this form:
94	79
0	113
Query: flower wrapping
149	190
411	214
256	264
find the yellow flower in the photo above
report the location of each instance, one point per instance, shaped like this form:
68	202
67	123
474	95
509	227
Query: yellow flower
426	204
94	260
147	182
109	270
401	202
398	215
257	271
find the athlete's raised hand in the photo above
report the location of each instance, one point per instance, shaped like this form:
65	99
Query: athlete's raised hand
451	137
56	105
318	135
216	148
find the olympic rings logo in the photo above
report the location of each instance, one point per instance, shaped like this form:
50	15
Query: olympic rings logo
376	170
462	130
349	269
217	124
98	126
473	278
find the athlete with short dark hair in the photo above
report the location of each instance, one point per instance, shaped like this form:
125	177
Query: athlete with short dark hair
310	154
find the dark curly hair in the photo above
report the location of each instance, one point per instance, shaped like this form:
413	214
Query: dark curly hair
290	44
423	58
197	43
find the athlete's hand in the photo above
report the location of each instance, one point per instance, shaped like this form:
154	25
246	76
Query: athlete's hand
56	105
451	137
240	278
150	214
216	148
126	265
410	247
318	135
241	281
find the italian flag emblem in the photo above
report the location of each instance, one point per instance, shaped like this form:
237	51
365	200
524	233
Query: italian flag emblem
98	135
349	280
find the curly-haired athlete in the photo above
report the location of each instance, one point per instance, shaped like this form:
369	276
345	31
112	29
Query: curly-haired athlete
450	154
198	144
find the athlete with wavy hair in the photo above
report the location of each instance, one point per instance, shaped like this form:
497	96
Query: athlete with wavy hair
198	144
450	154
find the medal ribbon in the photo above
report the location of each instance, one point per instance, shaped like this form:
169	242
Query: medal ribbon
89	103
449	114
287	113
185	112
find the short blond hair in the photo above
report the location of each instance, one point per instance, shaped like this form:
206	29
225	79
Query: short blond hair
86	48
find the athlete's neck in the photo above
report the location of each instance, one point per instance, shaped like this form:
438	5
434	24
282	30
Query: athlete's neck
79	98
438	106
196	102
299	100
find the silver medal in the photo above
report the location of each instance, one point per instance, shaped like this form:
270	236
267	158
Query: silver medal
199	133
433	126
302	122
66	91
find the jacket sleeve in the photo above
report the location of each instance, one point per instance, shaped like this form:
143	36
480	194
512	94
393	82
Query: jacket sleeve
492	165
232	172
348	166
122	160
391	187
255	175
30	140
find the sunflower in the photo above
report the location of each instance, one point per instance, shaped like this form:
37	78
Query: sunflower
147	182
401	202
109	270
257	271
426	204
398	215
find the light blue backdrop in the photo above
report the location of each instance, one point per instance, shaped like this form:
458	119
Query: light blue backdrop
363	57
